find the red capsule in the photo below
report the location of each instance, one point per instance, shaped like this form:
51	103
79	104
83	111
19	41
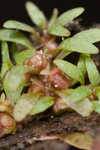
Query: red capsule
58	79
7	124
37	61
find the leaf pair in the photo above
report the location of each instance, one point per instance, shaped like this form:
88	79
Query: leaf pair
35	14
79	102
30	104
37	17
71	70
92	36
81	43
75	44
56	25
57	28
86	64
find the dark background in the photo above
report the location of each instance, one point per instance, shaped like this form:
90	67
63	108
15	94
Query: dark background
14	9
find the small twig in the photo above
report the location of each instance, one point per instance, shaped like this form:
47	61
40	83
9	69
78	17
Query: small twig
42	138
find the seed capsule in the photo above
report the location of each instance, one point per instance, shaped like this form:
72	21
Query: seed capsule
37	61
7	124
58	80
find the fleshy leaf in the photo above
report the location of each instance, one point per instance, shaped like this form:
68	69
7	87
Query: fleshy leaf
14	36
90	35
24	106
79	140
58	30
36	15
21	57
13	24
6	62
71	70
68	16
93	73
78	45
43	104
96	105
80	93
14	82
81	64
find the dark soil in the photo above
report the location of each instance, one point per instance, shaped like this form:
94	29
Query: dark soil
37	129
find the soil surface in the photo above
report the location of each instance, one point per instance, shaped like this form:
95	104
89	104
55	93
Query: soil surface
40	130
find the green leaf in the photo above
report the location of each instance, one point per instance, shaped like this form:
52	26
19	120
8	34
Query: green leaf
2	98
78	101
78	45
62	54
79	140
97	92
96	105
93	73
71	70
21	57
83	107
81	64
14	50
14	82
68	16
58	30
64	93
80	93
14	36
13	24
6	62
24	106
36	15
43	104
53	17
90	35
